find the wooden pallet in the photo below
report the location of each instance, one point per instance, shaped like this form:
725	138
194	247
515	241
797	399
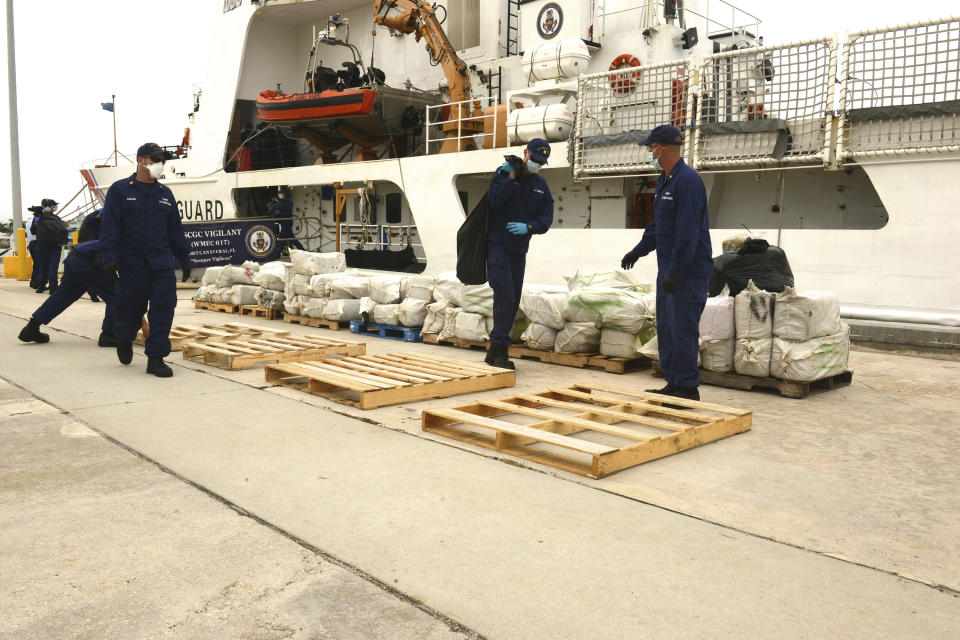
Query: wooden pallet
317	323
623	428
607	363
183	334
373	381
247	352
388	331
256	311
434	338
217	306
786	388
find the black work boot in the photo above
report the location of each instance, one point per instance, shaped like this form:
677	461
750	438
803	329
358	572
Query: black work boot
32	333
41	288
53	289
665	390
687	393
94	298
107	340
158	367
124	351
498	358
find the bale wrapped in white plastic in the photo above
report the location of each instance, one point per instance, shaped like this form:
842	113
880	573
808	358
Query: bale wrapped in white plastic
386	314
539	336
752	356
618	344
413	312
203	292
450	322
753	311
717	321
804	316
385	289
313	307
717	355
345	287
211	274
578	337
293	305
418	287
650	349
341	310
231	275
545	309
243	294
271	276
367	305
433	322
812	359
478	298
471	326
270	298
614	279
629	311
320	284
301	285
447	287
311	264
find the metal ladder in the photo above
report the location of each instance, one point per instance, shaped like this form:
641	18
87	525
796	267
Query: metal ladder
513	27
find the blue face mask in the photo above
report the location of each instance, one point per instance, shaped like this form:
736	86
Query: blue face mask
533	167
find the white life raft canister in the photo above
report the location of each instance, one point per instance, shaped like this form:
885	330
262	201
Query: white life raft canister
556	60
552	122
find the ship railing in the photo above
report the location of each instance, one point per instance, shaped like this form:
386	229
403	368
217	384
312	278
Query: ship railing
715	16
468	116
900	92
379	236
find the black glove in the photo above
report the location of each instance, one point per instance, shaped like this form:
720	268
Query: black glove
186	274
516	163
669	284
112	269
629	259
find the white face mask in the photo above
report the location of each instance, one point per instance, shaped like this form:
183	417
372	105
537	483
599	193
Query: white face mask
156	170
533	167
652	159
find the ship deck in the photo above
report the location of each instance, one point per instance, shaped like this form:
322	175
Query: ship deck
837	511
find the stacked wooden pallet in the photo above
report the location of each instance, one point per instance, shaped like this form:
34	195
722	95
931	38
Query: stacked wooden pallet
256	311
317	323
217	306
247	352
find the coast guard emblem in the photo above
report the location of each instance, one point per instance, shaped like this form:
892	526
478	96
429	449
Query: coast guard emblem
260	241
550	20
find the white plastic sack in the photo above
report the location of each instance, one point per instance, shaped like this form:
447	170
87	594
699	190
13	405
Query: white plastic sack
203	293
804	316
650	349
413	312
270	299
717	355
450	322
545	309
471	326
385	289
752	357
478	298
367	305
301	285
320	284
813	359
271	276
618	344
578	337
341	310
311	264
621	309
539	336
243	294
616	279
346	287
448	288
211	274
231	275
386	314
293	305
717	320
753	313
433	323
419	287
313	307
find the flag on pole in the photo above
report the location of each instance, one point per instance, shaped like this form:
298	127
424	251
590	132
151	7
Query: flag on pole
107	106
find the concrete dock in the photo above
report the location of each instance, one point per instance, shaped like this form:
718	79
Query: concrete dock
216	505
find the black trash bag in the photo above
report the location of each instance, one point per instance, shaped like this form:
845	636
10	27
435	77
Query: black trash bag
403	260
756	260
51	230
472	245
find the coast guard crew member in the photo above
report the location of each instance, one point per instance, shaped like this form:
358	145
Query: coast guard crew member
90	230
282	208
32	245
680	233
520	205
139	237
82	272
51	236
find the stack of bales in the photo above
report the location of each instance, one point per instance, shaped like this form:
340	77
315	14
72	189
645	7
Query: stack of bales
230	284
461	311
395	299
307	290
271	277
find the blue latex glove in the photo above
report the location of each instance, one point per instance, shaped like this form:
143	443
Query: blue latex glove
507	167
517	228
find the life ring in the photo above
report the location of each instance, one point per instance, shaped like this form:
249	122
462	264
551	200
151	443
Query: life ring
624	83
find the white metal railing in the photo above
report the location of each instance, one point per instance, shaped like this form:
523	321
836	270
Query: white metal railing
441	119
900	91
379	236
714	16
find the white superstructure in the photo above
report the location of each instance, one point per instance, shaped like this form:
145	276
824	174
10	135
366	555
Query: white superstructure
843	150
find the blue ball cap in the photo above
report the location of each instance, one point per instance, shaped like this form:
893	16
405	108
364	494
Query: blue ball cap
664	134
539	150
153	150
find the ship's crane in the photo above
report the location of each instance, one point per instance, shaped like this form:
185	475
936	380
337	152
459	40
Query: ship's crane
420	19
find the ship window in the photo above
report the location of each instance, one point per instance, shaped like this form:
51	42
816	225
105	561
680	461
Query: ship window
394	211
463	23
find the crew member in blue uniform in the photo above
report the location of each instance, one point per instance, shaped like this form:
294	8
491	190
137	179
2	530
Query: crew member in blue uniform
281	208
90	230
82	272
140	235
51	236
680	234
32	245
520	206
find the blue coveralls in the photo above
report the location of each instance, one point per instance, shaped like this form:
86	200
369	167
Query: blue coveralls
48	258
141	230
32	250
526	199
80	275
284	210
681	235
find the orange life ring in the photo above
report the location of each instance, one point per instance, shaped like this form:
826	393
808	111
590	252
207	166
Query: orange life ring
627	82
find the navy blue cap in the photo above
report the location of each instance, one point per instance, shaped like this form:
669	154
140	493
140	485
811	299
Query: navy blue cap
664	134
539	150
48	202
151	150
